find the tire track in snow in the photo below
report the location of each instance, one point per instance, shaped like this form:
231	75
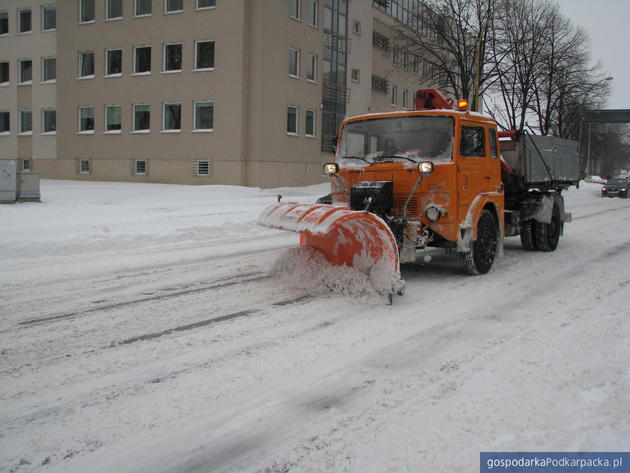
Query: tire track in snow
595	214
491	328
249	277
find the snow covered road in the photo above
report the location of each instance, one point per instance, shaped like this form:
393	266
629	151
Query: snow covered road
151	328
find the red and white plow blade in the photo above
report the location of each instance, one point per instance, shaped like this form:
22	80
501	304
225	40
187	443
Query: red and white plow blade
346	237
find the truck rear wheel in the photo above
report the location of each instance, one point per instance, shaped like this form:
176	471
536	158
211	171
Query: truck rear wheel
548	234
528	235
481	255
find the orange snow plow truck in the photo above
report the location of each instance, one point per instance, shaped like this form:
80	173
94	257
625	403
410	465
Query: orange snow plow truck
432	177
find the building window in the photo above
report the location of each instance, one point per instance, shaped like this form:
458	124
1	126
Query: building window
201	4
203	167
26	164
396	53
294	9
49	18
24	20
173	57
84	166
86	63
173	6
313	12
86	11
393	94
379	84
142	118
49	69
416	64
292	120
112	119
26	71
204	116
310	123
172	117
113	62
4	73
142	8
140	167
49	120
204	55
356	75
86	119
380	41
311	68
405	98
4	22
5	122
114	10
356	27
142	60
294	62
26	122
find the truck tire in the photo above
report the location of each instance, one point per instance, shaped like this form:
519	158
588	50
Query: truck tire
481	255
547	235
528	235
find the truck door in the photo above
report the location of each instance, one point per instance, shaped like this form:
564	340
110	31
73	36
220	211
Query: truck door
478	172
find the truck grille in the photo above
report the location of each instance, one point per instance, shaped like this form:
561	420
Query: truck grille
413	208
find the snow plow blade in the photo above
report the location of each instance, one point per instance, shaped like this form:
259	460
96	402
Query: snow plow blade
346	237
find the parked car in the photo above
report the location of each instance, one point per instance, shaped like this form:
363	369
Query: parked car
616	187
595	179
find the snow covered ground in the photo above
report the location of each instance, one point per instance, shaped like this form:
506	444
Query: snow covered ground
156	328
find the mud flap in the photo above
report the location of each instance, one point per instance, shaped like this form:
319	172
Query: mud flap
356	239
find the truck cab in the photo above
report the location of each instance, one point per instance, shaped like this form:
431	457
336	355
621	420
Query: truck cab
430	174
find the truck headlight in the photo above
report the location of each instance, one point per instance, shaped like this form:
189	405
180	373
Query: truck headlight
330	169
432	213
425	167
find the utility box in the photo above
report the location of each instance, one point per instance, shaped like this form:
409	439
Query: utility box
8	181
28	186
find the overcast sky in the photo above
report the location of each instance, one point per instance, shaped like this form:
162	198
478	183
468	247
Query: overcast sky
607	24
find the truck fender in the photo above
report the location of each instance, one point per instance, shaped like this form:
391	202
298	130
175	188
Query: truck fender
543	212
468	227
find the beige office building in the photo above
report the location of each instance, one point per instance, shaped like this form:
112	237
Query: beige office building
241	92
28	43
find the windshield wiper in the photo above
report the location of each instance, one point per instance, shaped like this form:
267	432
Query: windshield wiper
356	157
383	158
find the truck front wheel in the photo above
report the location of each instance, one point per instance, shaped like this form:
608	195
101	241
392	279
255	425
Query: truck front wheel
483	250
548	234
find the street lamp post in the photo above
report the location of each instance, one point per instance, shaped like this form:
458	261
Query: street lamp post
588	151
481	45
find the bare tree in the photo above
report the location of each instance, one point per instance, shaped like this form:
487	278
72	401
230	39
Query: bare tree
449	35
517	48
568	83
609	149
543	79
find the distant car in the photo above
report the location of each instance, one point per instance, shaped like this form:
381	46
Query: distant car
595	179
616	187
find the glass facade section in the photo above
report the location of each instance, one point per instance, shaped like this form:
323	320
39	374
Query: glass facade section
334	61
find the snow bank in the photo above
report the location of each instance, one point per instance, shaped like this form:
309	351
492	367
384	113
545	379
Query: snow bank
307	270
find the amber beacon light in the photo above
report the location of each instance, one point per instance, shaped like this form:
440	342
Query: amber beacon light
462	105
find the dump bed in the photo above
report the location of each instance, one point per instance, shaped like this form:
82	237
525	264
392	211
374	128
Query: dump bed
542	160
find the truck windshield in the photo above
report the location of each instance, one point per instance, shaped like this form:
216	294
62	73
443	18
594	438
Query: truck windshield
419	138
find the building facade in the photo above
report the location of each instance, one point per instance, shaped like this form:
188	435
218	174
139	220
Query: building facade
28	88
240	92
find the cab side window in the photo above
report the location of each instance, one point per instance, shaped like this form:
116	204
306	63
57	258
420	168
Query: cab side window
494	153
472	141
